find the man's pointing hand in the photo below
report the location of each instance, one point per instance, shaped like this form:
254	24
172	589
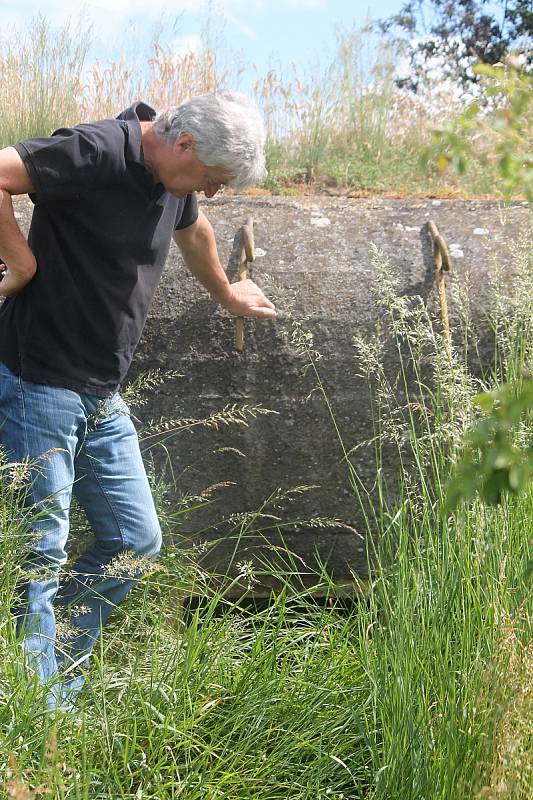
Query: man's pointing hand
246	299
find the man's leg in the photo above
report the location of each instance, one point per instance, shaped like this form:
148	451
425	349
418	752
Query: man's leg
41	424
112	488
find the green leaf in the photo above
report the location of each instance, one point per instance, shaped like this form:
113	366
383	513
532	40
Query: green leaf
485	400
503	459
494	486
517	477
462	486
487	69
507	165
460	164
424	158
472	111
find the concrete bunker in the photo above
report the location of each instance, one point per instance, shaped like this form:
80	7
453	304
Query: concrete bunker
317	252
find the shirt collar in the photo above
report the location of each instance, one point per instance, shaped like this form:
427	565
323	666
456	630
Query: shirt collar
133	115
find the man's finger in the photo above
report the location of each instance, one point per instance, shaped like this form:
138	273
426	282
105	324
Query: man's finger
261	311
261	302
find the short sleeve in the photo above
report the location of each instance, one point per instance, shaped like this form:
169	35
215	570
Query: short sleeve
187	212
68	161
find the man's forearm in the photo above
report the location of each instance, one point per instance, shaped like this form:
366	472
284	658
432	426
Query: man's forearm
198	247
199	250
14	250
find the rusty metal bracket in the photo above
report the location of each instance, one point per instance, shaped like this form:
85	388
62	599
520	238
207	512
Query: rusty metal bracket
443	264
246	256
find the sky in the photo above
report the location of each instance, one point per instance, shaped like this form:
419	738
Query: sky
265	33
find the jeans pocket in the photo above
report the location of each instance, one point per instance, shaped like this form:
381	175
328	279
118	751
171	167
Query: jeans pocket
116	405
103	409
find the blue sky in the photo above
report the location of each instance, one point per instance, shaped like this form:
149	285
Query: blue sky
263	32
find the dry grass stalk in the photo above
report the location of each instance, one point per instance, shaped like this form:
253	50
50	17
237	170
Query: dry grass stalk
16	789
169	80
511	777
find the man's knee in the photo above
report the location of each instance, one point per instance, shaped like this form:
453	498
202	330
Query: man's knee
47	550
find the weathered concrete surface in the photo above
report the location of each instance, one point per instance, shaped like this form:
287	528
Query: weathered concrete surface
318	251
327	268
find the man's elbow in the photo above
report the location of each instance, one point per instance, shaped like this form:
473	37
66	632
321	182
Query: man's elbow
24	270
30	269
193	236
14	280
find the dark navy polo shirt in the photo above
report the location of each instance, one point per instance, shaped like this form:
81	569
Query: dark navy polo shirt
100	232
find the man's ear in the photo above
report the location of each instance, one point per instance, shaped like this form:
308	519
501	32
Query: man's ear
183	143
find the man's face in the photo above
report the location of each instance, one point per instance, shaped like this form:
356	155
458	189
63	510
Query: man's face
181	171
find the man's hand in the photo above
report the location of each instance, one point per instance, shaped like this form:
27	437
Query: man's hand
245	299
14	250
12	282
199	250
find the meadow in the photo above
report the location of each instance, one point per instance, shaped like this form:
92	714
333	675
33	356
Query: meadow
417	689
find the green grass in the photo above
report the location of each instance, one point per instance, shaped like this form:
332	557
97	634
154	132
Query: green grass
421	688
398	698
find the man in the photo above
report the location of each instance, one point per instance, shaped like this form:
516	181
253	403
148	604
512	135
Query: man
108	198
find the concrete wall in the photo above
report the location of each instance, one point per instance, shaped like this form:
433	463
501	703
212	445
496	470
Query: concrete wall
317	252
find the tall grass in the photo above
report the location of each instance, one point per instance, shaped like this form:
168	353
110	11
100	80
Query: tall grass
338	124
41	79
419	689
164	81
339	118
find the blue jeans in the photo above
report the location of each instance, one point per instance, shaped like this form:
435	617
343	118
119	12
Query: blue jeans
84	445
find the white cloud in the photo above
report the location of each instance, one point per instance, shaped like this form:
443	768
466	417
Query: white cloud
188	43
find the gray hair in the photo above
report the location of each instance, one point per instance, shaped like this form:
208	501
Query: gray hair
227	131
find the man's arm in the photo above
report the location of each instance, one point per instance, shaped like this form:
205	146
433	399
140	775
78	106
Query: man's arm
14	250
198	247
